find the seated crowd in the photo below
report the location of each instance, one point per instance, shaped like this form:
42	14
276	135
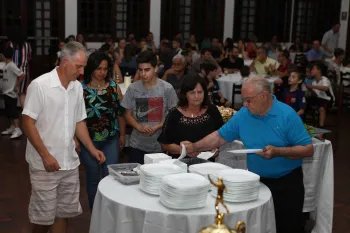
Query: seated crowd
172	99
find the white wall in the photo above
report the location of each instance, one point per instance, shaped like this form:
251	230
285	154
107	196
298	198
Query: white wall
71	17
228	20
155	6
344	24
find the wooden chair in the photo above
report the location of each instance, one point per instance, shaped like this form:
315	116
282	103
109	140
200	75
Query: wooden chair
344	91
236	90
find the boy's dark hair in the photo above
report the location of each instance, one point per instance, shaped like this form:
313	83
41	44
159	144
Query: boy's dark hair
147	57
204	50
208	67
318	66
245	71
8	52
346	61
338	52
301	76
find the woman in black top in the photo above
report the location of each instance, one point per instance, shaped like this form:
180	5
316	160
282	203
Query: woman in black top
193	118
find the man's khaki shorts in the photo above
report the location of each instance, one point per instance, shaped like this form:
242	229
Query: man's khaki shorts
54	195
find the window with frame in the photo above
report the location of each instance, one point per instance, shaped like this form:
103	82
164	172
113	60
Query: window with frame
95	19
245	15
304	20
185	18
43	27
98	19
121	15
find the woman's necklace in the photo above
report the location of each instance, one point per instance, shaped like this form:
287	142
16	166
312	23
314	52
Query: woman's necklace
99	88
195	114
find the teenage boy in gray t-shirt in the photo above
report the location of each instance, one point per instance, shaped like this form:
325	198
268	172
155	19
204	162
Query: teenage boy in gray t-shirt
147	102
12	77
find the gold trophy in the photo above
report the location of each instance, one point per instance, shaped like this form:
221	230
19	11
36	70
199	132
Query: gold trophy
219	226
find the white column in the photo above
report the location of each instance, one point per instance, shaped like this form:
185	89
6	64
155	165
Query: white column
291	22
71	17
229	16
344	24
155	6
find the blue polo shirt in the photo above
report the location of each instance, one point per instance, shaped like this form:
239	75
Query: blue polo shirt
312	54
280	127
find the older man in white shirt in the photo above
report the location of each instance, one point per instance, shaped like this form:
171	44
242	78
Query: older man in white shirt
53	113
330	40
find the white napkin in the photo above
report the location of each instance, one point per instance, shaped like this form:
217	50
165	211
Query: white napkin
206	155
183	152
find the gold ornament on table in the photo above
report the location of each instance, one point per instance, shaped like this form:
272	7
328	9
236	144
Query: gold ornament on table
219	226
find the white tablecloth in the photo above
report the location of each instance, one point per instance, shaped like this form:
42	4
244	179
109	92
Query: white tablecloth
226	85
318	180
248	62
127	209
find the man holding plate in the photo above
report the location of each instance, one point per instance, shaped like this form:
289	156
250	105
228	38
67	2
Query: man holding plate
273	127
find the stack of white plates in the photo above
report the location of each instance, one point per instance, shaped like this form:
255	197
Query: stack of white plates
155	158
241	185
151	176
184	191
175	162
205	169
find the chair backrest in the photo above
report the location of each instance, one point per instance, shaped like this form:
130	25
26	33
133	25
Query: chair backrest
344	77
300	59
331	74
236	90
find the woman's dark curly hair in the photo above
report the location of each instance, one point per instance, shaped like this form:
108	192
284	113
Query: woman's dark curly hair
94	62
189	84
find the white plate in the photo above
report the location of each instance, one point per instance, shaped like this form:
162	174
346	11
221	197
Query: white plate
207	168
237	175
186	181
245	151
159	169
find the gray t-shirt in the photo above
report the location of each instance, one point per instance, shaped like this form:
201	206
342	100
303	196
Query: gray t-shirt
149	107
10	76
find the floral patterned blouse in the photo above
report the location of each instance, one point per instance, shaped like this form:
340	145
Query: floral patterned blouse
102	110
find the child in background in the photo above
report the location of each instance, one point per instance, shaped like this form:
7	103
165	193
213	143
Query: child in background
209	72
294	96
12	78
308	80
319	87
245	73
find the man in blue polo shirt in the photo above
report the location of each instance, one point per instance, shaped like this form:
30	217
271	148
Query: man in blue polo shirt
265	123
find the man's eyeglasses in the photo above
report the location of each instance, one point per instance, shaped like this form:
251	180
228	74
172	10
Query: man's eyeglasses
249	100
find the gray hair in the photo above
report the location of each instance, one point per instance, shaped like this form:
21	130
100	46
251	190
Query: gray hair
260	84
179	56
71	49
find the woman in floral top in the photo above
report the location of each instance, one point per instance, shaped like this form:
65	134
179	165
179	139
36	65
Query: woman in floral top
104	120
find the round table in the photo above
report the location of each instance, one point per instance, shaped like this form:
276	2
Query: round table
226	83
120	208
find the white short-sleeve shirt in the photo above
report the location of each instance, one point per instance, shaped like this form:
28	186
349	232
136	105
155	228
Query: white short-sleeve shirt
56	111
323	82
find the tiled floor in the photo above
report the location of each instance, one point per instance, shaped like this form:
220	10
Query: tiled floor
15	186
